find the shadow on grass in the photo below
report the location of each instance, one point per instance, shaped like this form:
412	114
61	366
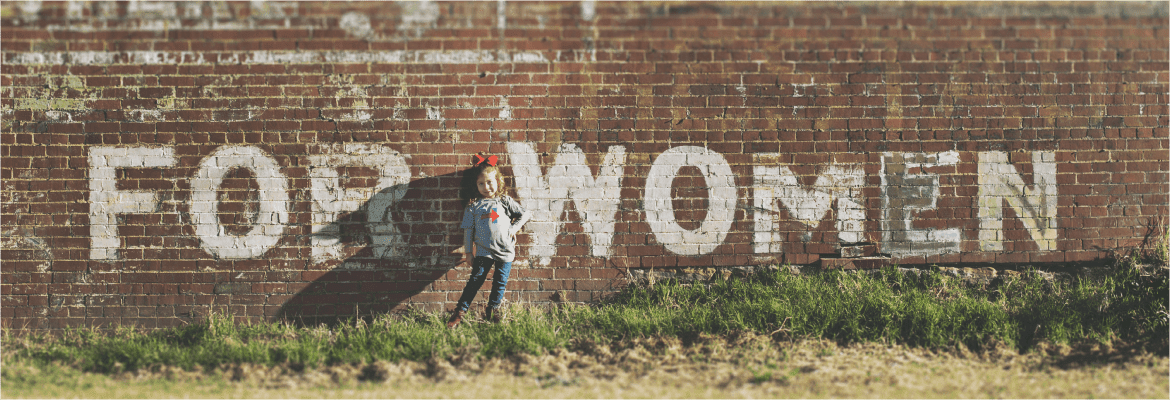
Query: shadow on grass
1089	353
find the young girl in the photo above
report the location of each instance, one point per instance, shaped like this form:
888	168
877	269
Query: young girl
491	222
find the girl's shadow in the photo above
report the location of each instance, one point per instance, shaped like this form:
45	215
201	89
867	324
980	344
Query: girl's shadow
399	252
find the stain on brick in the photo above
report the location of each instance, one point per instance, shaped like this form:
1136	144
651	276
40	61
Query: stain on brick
232	288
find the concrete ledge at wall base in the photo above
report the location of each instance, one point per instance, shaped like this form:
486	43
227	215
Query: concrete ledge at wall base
872	262
707	274
971	275
856	256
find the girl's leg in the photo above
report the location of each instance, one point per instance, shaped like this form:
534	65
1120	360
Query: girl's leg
499	284
479	269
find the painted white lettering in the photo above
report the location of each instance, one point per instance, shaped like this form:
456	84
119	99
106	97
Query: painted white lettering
273	211
267	9
588	9
356	24
903	194
106	201
722	198
418	16
505	110
501	15
152	9
88	57
569	178
74	10
29	10
837	183
1034	205
330	200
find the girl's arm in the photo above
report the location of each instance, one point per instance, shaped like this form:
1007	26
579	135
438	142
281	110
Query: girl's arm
524	216
467	242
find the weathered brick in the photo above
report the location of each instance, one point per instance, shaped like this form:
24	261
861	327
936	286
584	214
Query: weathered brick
811	93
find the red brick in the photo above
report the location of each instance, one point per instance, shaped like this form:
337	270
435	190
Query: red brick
964	84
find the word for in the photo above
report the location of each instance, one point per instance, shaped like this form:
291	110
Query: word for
906	189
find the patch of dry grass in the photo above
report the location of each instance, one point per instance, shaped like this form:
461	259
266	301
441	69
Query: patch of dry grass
727	366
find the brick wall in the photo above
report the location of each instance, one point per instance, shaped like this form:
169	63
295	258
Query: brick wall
304	160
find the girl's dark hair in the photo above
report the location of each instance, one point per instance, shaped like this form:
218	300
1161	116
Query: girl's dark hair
468	190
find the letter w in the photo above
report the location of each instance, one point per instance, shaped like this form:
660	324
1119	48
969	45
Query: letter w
569	178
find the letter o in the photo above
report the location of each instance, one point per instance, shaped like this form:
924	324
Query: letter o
273	213
722	198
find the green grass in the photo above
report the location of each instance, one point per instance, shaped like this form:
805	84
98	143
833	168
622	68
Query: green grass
930	310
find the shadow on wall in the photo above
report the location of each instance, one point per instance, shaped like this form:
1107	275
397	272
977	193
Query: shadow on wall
378	272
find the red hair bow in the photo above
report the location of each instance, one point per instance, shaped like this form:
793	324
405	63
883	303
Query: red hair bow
490	160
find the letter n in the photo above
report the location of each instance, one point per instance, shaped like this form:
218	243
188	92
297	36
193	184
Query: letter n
1035	205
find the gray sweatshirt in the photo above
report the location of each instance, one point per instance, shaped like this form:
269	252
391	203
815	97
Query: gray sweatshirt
489	224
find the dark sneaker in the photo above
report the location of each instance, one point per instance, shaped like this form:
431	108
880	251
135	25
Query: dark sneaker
494	315
456	318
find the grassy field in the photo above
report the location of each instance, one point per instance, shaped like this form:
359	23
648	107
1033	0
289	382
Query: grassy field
930	313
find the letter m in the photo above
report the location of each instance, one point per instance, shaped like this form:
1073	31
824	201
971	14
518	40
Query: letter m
1035	205
837	184
569	178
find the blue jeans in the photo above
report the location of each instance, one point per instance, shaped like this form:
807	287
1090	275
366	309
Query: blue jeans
479	269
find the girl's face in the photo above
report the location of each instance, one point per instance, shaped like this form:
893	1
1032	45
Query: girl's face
488	184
